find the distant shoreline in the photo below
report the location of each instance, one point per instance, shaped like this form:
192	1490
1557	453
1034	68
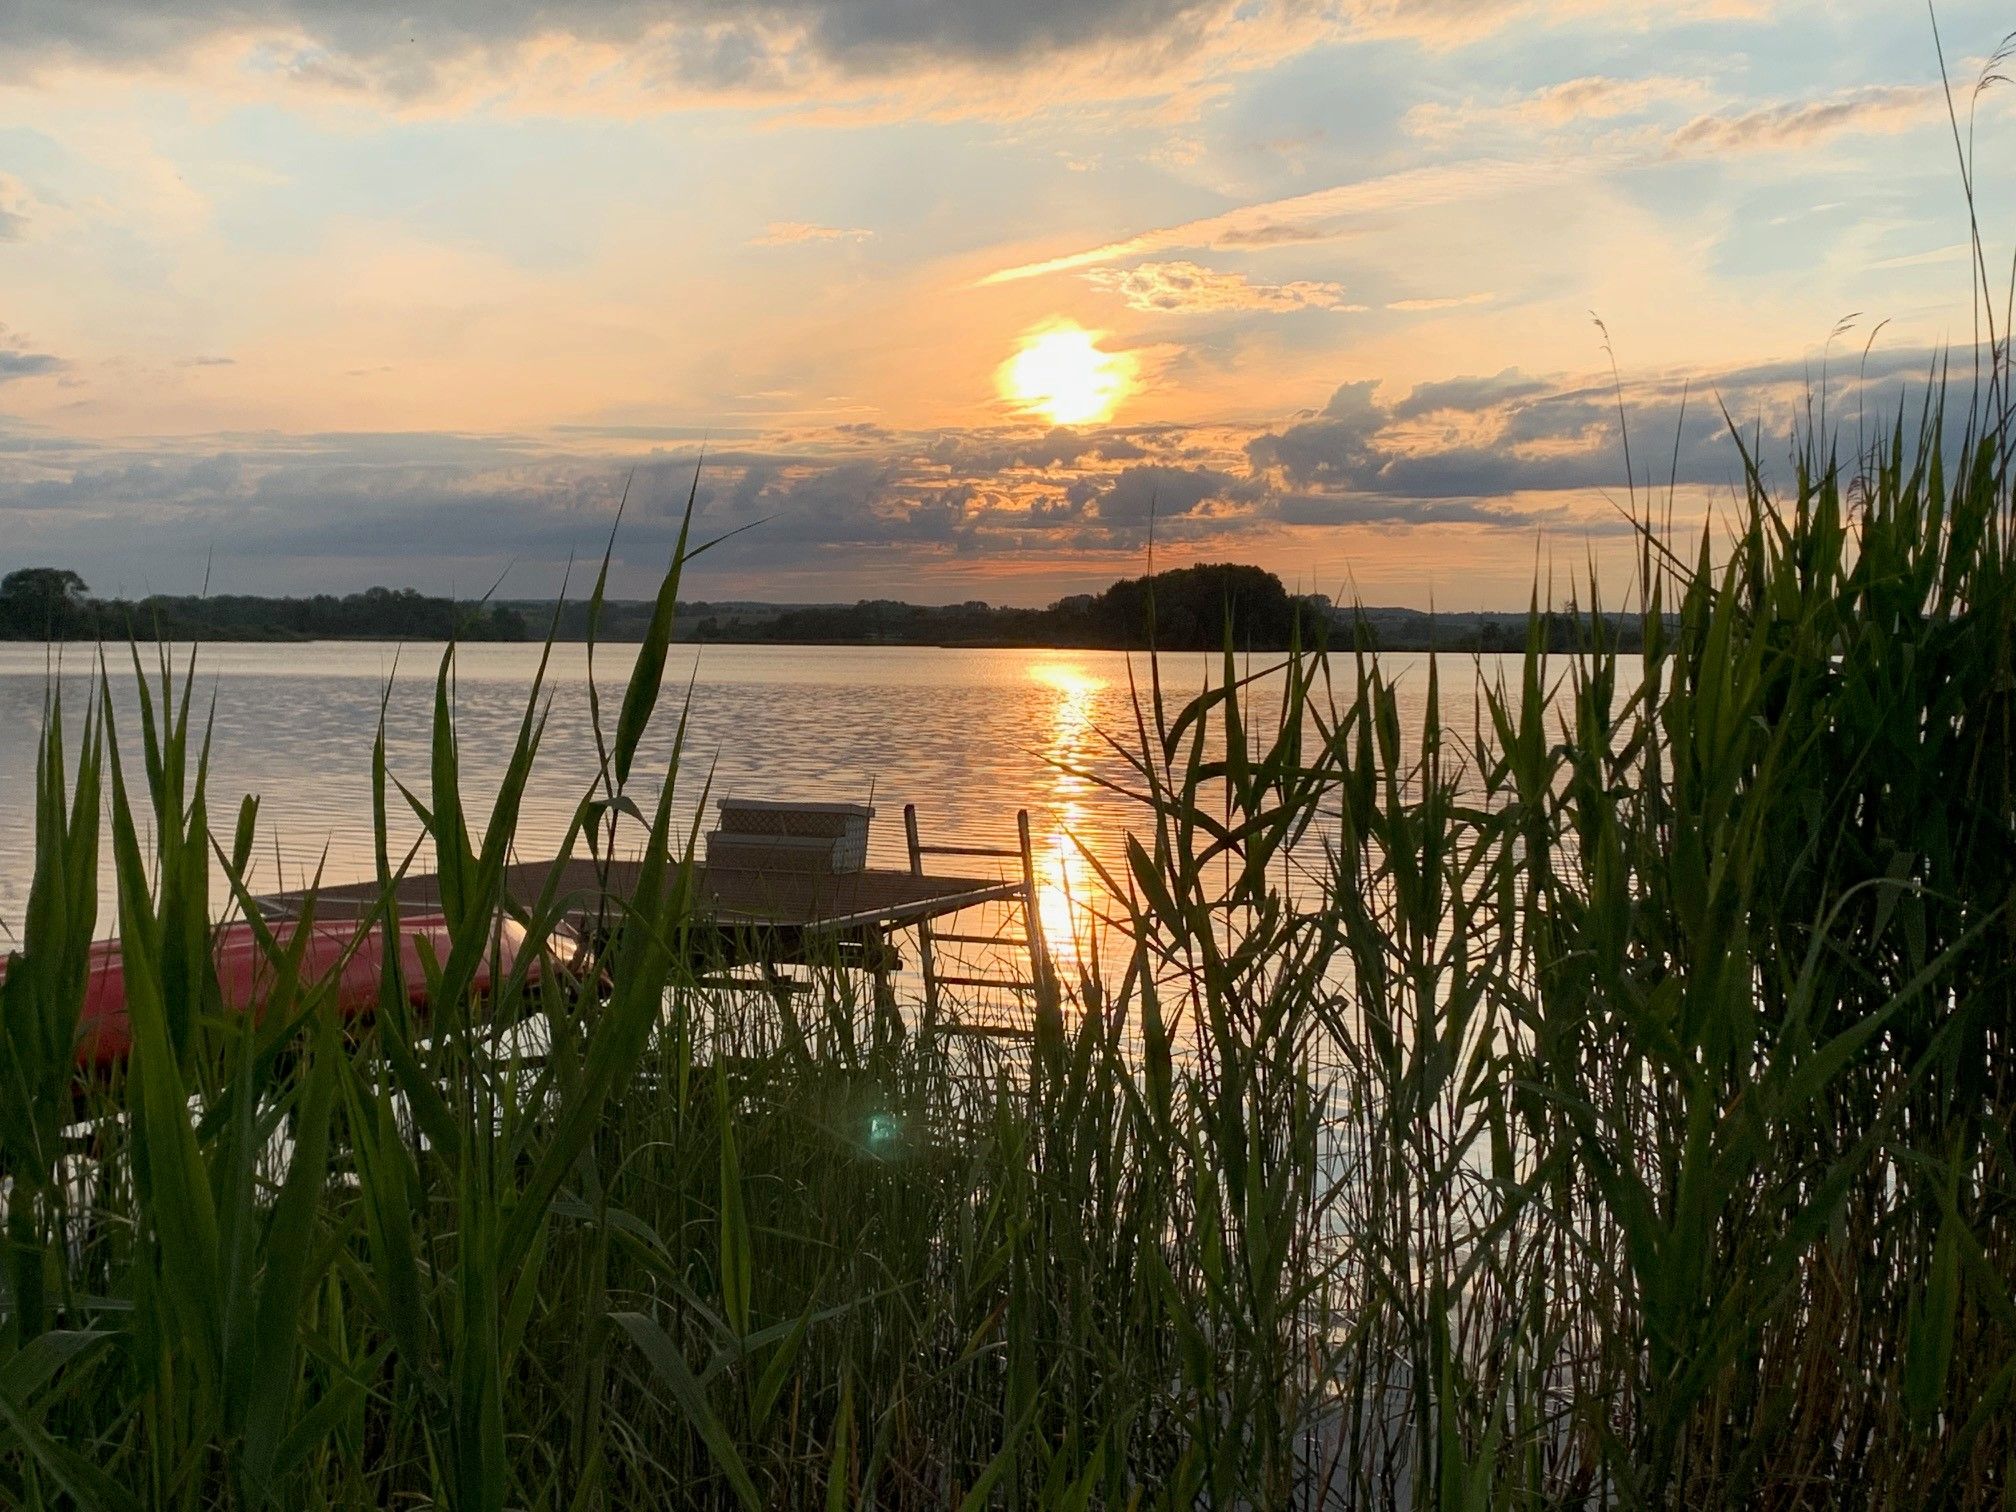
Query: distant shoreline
1194	608
1339	639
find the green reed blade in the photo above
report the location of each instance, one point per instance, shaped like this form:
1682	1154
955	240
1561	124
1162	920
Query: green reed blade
670	1367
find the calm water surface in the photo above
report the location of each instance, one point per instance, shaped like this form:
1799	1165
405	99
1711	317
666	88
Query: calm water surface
969	736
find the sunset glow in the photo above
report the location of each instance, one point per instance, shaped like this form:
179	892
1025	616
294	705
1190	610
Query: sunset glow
1061	374
960	301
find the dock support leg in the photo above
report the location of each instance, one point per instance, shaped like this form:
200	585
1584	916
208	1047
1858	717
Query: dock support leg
782	989
888	1017
927	961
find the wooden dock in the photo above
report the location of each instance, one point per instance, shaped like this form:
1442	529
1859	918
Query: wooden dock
766	918
806	902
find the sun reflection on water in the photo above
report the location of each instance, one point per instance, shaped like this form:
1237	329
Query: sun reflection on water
1066	885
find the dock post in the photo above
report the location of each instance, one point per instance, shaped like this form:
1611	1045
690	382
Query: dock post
888	1018
926	961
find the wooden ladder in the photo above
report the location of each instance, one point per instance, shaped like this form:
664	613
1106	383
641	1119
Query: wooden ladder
1042	983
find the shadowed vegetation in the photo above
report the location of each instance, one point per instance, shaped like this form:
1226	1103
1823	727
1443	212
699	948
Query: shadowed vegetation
48	603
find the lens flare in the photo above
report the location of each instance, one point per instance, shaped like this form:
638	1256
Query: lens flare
1061	373
885	1132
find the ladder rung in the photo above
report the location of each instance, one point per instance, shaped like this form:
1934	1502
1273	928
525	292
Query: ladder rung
942	937
967	850
966	981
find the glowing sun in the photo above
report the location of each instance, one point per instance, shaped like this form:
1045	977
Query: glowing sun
1061	373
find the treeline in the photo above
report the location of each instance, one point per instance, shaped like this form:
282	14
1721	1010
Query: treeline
46	603
1191	608
1560	630
1185	609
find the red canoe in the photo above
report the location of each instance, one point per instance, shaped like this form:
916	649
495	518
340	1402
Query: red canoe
244	975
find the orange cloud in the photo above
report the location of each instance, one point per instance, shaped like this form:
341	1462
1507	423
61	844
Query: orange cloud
1801	123
791	233
1592	97
1454	23
1444	302
1188	288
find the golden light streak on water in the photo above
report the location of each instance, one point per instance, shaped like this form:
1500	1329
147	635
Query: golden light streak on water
1065	884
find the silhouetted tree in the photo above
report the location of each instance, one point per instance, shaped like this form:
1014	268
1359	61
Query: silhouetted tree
1192	606
40	601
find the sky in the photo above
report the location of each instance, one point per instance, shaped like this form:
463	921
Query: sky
958	300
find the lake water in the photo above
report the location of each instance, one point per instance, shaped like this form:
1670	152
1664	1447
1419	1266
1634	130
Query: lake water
969	736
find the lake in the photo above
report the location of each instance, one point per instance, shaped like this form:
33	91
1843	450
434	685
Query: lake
969	736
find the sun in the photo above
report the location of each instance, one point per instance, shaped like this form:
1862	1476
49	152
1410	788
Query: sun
1061	373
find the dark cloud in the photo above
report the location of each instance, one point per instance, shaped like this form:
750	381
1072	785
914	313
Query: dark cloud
1469	393
20	439
990	29
13	219
1339	446
360	45
1375	509
1484	437
1059	447
1273	234
28	364
1136	495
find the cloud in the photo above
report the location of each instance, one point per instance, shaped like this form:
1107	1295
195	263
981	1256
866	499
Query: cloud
341	510
661	432
1441	302
15	364
1514	434
790	233
1377	509
1953	252
13	215
1319	214
1454	23
869	58
1135	495
1596	97
1063	447
1802	123
358	34
1340	209
1470	394
1188	288
1593	97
